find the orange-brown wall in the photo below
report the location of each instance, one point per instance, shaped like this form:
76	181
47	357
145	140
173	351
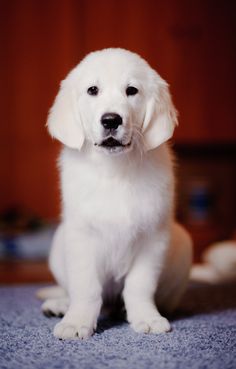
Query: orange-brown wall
190	43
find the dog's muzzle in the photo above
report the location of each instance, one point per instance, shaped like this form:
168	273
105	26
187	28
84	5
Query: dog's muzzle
111	143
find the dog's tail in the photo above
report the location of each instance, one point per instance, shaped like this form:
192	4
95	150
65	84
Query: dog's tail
50	292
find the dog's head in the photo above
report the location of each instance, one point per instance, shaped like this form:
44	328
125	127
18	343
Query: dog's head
114	101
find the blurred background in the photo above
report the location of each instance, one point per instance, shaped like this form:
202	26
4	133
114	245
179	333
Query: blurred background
191	44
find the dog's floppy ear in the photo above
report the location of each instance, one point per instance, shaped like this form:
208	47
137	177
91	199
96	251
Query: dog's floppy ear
64	122
160	118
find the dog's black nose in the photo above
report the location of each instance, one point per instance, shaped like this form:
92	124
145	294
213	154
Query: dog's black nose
111	120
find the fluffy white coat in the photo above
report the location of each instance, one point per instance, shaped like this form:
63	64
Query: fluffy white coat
117	234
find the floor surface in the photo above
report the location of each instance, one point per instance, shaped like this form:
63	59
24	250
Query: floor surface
203	336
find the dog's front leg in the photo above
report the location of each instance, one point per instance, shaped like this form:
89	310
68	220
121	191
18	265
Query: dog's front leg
141	284
83	284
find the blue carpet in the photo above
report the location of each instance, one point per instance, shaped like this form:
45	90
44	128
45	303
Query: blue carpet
203	336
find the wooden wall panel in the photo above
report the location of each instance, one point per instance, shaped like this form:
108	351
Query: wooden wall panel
40	42
204	85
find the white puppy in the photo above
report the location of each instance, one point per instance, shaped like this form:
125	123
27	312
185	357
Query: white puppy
113	113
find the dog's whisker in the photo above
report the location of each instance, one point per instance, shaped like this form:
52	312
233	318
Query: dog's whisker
139	141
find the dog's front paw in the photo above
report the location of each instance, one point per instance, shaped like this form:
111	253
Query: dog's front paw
70	330
157	324
78	322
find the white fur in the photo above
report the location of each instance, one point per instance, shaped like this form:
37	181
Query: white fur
117	233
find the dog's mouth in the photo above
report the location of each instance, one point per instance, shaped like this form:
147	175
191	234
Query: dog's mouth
111	142
112	145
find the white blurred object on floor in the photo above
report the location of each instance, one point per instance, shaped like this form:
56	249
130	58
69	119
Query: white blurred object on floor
219	264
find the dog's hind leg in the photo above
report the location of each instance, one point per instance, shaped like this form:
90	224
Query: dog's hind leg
57	267
55	307
50	292
176	274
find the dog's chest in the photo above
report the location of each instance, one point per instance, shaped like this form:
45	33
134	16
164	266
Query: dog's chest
114	203
112	198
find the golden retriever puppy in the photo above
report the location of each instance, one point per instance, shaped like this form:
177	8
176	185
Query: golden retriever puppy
117	235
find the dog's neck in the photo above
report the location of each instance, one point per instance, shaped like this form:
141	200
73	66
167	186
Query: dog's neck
122	165
112	164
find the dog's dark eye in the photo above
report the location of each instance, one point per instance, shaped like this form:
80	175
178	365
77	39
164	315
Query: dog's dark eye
131	90
93	90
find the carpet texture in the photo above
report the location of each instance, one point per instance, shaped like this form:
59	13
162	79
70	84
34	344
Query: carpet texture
203	336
